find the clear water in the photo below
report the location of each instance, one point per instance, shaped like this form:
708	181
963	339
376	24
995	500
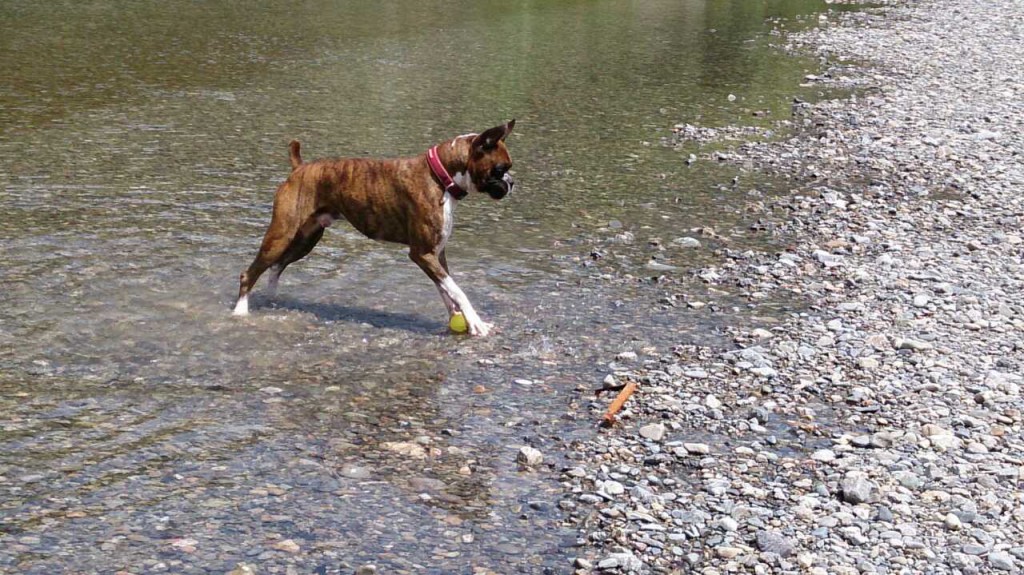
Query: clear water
140	144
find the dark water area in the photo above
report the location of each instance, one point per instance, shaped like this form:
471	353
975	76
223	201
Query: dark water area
145	429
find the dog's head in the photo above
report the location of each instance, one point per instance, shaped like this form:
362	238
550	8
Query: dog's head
489	162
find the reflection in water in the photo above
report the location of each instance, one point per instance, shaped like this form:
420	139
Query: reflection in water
145	429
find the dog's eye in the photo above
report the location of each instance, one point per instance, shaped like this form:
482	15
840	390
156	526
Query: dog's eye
499	170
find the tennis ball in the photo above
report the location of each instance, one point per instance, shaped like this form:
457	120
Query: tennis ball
457	323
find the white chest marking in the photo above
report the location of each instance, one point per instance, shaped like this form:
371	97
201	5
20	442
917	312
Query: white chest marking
449	219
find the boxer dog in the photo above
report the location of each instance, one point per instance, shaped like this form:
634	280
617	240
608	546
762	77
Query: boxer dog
409	201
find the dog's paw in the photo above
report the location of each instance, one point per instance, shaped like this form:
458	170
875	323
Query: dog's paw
481	328
242	307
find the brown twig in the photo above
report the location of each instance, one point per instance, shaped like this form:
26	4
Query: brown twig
609	417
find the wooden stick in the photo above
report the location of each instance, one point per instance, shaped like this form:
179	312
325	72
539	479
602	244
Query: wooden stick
609	416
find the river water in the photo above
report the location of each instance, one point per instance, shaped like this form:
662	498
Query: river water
144	429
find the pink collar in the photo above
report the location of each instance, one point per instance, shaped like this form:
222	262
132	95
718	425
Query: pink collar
447	182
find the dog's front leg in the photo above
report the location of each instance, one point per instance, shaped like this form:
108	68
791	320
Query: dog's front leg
449	303
450	291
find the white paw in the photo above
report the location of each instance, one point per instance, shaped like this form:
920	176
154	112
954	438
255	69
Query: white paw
480	328
242	307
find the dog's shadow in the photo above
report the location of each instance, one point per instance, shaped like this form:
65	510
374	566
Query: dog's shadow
352	314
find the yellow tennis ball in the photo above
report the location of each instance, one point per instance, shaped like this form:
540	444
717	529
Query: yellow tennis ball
457	323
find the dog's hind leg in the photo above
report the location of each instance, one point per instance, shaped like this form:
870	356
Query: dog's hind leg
279	248
299	248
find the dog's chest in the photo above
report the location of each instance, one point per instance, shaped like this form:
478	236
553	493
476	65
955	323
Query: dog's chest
448	223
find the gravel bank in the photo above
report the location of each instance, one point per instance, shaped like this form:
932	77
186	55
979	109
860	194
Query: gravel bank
880	431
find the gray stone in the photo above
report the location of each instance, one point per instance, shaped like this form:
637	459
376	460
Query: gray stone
653	431
612	487
697	448
624	561
824	455
581	563
974	549
774	542
1001	560
857	488
728	524
826	259
686	242
912	344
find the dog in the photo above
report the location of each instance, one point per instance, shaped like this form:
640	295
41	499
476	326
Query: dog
409	201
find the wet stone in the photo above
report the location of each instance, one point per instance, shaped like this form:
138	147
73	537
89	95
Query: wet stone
529	457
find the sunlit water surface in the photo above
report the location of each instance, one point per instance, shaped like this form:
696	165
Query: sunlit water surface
143	428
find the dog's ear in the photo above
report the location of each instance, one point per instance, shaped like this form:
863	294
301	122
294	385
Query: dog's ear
490	138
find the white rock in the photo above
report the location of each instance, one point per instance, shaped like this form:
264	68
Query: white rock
653	431
912	344
686	242
952	522
764	371
529	457
728	524
406	448
1001	560
824	455
627	562
867	363
726	552
612	487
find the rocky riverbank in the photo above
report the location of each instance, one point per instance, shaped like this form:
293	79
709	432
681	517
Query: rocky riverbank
880	430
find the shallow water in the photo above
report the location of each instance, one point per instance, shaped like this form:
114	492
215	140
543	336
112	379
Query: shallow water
146	429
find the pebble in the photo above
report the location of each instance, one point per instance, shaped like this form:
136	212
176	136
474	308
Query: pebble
529	457
857	488
288	546
952	522
728	524
773	542
697	448
824	455
624	561
1002	561
726	552
912	344
653	431
612	487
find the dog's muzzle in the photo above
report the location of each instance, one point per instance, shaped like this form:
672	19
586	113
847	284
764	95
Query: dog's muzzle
498	189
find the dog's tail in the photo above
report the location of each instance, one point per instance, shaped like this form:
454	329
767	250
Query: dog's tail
294	155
